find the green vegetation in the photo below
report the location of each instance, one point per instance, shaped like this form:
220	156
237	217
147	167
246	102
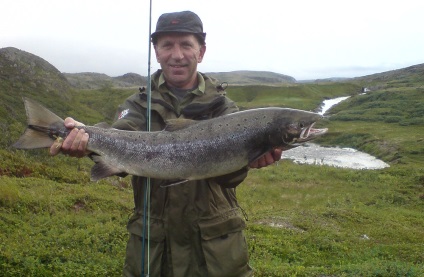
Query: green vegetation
324	221
304	220
51	228
401	106
300	96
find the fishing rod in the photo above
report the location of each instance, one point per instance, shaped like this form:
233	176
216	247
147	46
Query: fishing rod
146	205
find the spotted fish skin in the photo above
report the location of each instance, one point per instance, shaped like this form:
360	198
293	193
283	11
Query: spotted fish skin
186	149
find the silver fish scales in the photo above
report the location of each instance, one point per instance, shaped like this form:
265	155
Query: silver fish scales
186	149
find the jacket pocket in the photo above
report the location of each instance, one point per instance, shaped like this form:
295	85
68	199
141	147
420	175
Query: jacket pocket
157	231
133	256
224	247
212	228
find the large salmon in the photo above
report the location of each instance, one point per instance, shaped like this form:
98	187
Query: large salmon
186	149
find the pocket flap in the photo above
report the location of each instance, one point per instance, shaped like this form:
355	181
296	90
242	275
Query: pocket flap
214	228
157	231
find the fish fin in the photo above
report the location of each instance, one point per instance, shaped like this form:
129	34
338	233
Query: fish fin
255	154
103	125
174	183
101	169
178	124
32	139
40	122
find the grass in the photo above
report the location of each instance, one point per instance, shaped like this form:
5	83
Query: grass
300	223
300	96
61	229
304	220
390	142
356	223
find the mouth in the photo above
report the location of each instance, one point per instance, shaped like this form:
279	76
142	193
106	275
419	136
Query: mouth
309	133
177	69
177	66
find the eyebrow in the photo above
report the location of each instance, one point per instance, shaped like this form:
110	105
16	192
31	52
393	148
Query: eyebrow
182	42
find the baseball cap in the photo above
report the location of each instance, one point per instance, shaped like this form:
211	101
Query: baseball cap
179	22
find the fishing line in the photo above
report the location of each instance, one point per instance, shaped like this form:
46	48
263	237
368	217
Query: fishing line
146	206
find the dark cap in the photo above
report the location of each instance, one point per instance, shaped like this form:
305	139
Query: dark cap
179	22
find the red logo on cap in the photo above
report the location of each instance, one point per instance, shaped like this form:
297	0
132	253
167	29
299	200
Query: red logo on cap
175	21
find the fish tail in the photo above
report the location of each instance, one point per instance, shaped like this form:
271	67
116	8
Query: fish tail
43	127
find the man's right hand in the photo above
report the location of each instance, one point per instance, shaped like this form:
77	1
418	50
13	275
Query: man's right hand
75	144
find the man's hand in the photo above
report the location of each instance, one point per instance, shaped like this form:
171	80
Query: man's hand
75	143
267	159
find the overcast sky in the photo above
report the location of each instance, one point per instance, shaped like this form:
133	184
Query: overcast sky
306	39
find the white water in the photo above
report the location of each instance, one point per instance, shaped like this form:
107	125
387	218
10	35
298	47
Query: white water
334	156
311	153
327	104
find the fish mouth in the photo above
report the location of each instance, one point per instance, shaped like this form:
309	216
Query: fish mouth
306	134
309	133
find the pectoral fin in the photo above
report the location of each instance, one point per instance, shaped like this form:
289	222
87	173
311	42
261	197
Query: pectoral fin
173	183
254	154
102	170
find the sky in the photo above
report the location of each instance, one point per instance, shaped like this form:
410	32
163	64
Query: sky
305	39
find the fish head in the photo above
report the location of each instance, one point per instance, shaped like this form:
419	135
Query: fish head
298	127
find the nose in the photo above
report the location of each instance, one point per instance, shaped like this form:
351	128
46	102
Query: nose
177	53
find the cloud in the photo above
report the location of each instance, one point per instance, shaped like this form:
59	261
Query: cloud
303	39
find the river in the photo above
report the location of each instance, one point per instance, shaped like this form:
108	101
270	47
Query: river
327	104
311	153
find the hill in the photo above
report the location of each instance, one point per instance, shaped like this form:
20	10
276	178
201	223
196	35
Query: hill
412	73
89	80
411	76
24	74
23	71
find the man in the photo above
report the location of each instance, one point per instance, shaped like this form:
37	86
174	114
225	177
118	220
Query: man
195	227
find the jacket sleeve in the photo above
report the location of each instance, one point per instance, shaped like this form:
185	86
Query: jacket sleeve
130	115
233	179
228	107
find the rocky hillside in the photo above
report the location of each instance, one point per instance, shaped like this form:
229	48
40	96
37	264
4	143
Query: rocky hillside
22	71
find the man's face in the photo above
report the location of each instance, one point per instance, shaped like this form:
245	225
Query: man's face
178	55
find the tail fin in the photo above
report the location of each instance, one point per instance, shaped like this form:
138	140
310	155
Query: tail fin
42	123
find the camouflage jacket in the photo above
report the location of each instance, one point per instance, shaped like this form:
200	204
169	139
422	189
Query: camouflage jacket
185	218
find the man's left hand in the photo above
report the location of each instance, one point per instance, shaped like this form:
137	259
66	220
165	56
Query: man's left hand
267	159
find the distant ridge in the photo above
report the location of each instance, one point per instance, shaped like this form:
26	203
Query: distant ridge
247	77
92	80
24	71
414	72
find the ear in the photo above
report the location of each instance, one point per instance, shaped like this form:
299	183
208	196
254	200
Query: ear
156	53
201	53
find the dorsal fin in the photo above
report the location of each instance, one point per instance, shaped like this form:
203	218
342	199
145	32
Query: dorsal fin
103	125
178	124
